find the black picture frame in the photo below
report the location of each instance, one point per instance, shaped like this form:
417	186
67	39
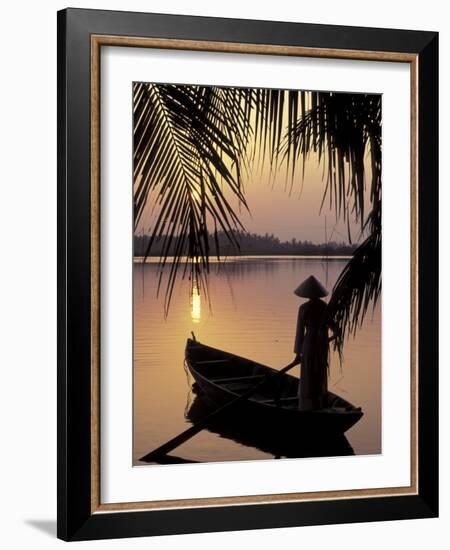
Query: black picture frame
76	520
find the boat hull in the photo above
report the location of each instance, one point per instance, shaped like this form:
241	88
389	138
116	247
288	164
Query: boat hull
273	409
274	439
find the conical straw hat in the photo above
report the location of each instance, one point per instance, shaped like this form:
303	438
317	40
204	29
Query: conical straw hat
311	288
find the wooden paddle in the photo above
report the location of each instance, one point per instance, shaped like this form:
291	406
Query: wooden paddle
175	442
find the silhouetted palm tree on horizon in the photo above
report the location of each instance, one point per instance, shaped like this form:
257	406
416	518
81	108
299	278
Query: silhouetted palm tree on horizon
191	141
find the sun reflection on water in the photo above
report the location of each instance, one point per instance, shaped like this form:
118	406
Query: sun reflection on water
196	306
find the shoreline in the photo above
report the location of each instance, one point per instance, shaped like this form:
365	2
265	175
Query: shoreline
224	259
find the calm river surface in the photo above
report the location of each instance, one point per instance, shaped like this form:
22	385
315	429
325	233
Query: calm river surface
253	313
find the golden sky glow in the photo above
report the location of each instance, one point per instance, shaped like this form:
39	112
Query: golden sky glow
281	206
276	207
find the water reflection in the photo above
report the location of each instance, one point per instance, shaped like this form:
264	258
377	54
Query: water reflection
247	431
196	305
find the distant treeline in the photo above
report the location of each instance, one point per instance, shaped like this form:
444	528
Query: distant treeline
251	244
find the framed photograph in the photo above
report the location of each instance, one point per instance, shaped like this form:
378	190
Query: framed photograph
247	252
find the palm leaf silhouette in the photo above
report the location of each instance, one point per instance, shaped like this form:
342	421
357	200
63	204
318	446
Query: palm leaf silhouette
191	144
342	129
186	147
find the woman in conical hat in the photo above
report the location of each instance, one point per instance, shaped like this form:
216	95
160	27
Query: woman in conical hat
311	345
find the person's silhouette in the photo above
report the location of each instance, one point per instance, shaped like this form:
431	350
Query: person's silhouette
311	345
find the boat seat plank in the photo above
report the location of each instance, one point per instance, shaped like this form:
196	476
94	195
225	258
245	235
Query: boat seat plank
212	361
238	379
241	387
281	399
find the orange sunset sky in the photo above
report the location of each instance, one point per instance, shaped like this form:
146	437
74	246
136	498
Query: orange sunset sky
274	208
280	209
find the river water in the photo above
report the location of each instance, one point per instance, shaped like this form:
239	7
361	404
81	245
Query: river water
252	313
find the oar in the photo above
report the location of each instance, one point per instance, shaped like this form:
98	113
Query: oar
202	424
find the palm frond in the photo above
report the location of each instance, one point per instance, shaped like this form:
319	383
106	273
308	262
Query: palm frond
185	147
192	143
356	291
340	128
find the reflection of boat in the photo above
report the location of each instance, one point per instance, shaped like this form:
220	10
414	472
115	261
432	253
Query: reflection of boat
221	377
278	442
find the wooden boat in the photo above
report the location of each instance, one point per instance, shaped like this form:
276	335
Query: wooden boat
221	377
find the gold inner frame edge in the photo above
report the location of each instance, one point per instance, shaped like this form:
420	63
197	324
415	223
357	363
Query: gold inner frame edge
97	41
